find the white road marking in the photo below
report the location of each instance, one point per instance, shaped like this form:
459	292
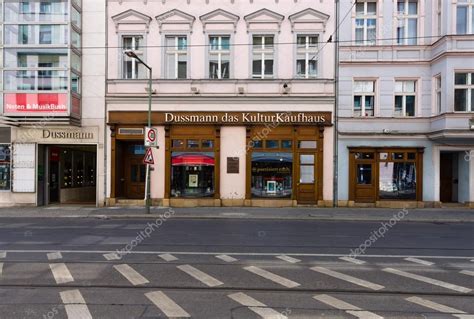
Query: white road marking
464	316
168	257
256	306
288	259
205	253
349	308
467	272
352	260
354	280
273	277
61	273
3	254
131	274
226	258
419	261
427	280
112	256
433	305
75	305
54	256
167	305
201	276
1	268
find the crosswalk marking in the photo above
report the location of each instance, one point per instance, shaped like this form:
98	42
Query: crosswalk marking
3	254
352	260
61	273
168	257
201	276
273	277
419	261
354	280
256	306
54	256
112	256
75	305
131	274
428	280
288	259
167	305
349	308
433	305
226	258
467	272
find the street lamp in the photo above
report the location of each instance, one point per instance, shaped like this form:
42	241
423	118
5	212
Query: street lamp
133	55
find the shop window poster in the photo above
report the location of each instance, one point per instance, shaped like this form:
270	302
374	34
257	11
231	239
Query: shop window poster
193	180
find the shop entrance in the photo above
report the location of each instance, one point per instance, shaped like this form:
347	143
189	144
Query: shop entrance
131	170
67	174
454	177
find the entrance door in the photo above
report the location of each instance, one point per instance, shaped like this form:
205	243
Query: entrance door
135	175
306	186
53	182
446	178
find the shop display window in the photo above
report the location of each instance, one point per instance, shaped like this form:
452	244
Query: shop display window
67	172
192	174
397	180
5	169
272	174
78	168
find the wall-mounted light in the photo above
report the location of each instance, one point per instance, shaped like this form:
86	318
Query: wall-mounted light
286	88
195	90
241	90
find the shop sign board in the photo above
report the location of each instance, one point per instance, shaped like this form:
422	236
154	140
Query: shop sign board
36	103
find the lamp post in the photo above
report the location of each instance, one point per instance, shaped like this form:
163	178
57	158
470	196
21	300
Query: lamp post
133	55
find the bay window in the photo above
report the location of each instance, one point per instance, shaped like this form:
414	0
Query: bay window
405	98
263	52
306	56
219	57
176	57
407	19
464	92
465	17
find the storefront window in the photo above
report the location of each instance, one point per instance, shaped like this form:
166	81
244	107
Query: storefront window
67	169
397	180
192	174
5	163
272	174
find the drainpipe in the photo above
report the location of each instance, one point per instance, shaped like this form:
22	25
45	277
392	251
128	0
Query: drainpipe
336	105
106	157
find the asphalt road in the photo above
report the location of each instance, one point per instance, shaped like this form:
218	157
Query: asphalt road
229	268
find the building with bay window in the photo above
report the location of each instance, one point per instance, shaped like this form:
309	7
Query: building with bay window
52	115
405	103
243	99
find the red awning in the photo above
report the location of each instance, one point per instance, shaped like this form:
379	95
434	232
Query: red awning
192	160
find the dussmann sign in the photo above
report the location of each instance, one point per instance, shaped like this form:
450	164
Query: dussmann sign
275	118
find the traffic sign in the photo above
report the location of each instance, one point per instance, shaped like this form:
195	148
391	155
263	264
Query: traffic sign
151	137
148	159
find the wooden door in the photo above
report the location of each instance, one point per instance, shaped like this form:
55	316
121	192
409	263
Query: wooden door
306	185
363	177
446	178
135	177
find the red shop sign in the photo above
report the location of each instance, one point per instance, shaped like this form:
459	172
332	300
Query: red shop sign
35	103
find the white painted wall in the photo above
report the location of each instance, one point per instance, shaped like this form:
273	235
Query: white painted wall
233	144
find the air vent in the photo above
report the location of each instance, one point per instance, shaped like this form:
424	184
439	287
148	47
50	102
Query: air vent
130	131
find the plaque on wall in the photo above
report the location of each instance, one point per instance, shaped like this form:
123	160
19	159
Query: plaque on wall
232	165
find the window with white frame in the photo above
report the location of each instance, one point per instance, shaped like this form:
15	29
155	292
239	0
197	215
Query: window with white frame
263	52
366	22
176	57
364	98
465	17
405	98
306	56
407	20
464	92
438	91
131	68
219	57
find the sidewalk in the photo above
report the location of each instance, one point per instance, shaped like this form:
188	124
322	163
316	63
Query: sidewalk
452	215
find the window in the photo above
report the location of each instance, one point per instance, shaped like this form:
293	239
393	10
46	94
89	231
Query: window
5	157
366	22
263	57
465	17
45	34
464	92
306	56
272	174
364	98
407	19
131	67
438	93
219	57
397	177
176	57
405	98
